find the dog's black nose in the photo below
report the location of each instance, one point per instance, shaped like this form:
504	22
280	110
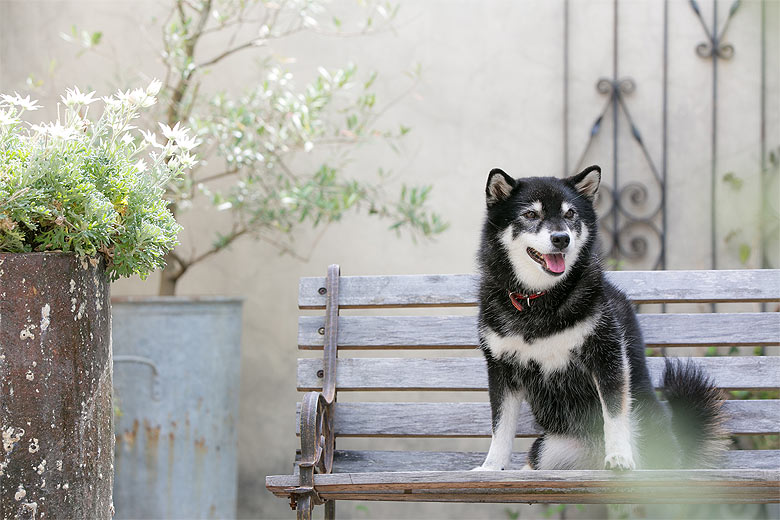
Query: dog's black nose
560	240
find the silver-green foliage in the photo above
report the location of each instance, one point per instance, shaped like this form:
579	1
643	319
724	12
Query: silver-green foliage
91	186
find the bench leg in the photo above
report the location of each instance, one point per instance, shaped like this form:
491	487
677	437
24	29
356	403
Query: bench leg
330	510
303	507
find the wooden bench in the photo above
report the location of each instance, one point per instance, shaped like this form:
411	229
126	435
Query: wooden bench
323	475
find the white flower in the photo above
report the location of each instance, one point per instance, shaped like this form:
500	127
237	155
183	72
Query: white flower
112	102
187	143
19	101
136	98
140	166
151	138
122	96
127	138
132	97
76	97
224	206
170	133
55	130
8	118
154	87
139	97
179	136
187	160
62	132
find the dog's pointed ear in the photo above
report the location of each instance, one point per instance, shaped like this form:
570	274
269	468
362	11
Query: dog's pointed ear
499	186
587	181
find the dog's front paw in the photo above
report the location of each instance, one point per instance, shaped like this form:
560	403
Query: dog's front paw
619	461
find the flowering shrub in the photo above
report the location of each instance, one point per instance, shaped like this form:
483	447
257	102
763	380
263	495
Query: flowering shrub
92	186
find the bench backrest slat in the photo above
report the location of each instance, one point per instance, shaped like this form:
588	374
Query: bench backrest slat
473	419
748	285
470	373
669	330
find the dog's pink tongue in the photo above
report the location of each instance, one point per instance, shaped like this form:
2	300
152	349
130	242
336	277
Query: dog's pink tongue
555	262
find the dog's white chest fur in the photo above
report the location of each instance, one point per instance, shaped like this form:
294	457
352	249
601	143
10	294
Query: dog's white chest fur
552	352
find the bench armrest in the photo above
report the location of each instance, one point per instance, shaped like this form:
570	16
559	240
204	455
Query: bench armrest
317	434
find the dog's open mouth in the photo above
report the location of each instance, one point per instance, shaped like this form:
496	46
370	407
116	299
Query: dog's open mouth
552	263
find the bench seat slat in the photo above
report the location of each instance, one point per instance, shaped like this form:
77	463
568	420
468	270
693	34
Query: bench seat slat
470	373
746	285
384	419
362	461
410	332
700	486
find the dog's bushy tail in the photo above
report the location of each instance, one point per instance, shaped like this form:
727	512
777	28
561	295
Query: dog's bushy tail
697	418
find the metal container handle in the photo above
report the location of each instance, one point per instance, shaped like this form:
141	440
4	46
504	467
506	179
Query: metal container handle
156	392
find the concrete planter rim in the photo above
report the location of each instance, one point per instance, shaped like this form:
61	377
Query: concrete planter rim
31	253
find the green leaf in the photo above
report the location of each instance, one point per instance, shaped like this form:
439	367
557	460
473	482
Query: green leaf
512	514
732	180
744	253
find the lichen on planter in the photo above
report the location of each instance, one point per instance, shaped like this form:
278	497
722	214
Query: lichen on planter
56	412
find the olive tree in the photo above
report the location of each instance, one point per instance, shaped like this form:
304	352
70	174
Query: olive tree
275	157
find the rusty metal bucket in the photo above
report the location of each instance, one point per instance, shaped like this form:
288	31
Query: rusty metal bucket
176	387
56	416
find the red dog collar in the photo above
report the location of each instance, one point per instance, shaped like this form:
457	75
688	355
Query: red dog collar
516	298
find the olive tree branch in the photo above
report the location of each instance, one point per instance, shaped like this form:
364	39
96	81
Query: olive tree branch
216	176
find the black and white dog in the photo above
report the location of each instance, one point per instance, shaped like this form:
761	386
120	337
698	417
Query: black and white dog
558	335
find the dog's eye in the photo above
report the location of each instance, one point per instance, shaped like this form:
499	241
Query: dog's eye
531	215
569	214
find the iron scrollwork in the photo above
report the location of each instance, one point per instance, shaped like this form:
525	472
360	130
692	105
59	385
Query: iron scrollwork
714	47
629	228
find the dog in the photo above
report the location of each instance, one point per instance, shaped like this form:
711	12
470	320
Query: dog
555	333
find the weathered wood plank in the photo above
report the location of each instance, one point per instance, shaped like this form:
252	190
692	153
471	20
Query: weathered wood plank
546	486
672	495
662	330
470	373
362	461
394	419
749	285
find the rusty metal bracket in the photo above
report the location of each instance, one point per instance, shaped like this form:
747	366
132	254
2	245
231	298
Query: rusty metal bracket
318	440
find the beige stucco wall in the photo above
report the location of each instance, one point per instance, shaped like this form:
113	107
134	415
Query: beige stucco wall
491	95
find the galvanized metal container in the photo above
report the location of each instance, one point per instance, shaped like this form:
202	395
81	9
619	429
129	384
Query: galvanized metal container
56	417
176	388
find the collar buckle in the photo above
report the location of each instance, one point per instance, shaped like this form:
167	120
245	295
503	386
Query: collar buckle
517	298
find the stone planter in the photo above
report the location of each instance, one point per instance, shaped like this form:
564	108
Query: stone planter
176	385
56	416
